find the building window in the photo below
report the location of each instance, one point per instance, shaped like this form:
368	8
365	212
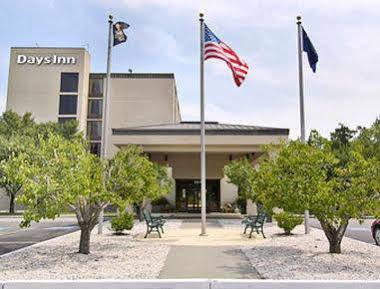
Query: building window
95	107
68	104
69	82
96	88
95	148
62	120
94	130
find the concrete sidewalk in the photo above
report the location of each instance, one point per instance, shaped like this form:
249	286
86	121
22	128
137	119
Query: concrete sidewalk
217	255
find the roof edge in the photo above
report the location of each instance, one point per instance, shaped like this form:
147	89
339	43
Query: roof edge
272	131
133	75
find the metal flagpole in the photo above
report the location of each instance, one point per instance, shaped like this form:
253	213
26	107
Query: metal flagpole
203	147
302	110
106	98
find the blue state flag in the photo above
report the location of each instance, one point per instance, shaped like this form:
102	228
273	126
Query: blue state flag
118	32
308	47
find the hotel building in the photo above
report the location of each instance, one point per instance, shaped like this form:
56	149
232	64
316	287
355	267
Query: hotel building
56	84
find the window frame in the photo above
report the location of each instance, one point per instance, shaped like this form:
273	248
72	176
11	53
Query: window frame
75	87
60	103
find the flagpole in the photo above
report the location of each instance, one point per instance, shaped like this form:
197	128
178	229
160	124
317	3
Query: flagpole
106	98
302	110
203	146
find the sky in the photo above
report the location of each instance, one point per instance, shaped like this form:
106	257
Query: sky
164	37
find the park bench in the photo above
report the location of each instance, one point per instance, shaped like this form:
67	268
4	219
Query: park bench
153	224
255	223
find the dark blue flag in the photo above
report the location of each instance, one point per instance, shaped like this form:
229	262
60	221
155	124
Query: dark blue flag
118	32
308	47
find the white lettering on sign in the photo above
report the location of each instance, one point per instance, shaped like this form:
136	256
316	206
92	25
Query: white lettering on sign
23	59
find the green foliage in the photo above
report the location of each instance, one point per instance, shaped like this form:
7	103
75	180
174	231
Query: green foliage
336	179
161	202
134	178
312	176
56	173
122	222
239	172
287	221
18	134
369	140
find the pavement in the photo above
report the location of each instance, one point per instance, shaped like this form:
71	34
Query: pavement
12	237
355	230
217	255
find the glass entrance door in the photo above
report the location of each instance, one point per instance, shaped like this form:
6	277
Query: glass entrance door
188	195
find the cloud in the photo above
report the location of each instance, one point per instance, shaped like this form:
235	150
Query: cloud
163	42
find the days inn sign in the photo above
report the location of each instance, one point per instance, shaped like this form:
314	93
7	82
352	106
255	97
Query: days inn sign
39	60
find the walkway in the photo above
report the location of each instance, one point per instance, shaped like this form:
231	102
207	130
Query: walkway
212	256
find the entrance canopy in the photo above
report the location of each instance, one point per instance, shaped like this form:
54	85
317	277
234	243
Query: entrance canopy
185	137
178	145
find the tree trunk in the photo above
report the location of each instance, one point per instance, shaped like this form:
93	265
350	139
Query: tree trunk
141	211
84	244
334	234
335	246
142	207
12	203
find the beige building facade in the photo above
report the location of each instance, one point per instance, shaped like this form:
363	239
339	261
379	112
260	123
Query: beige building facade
55	84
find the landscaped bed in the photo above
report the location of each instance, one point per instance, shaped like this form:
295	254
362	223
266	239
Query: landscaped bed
301	256
116	257
298	256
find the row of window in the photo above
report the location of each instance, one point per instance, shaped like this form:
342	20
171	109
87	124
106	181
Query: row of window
68	98
68	103
94	115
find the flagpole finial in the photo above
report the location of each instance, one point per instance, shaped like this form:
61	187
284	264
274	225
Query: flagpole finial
110	17
201	16
299	19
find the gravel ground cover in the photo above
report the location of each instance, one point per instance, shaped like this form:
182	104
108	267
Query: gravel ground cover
301	256
116	257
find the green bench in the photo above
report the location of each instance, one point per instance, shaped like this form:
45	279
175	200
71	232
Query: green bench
255	223
153	224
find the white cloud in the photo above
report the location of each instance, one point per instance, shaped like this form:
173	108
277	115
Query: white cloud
344	89
164	43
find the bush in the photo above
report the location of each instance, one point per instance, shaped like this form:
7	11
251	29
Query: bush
287	221
160	202
161	205
122	222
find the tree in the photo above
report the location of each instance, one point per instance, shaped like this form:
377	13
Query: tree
239	172
310	176
17	134
63	173
141	178
370	140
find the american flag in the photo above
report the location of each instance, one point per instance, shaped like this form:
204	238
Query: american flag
215	48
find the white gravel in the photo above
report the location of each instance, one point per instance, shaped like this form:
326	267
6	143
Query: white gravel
303	256
116	257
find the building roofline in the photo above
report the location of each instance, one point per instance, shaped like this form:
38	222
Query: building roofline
22	47
284	132
133	75
161	130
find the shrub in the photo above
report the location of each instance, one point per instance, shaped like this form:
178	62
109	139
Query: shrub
160	202
122	222
287	221
161	205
